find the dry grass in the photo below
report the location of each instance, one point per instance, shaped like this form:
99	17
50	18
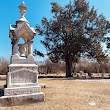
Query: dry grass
62	94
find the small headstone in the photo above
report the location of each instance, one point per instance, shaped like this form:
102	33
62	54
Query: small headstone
109	75
102	75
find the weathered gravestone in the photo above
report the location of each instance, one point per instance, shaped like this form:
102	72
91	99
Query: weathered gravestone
22	79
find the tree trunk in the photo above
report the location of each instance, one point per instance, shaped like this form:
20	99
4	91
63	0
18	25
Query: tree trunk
48	69
100	68
106	68
73	67
68	66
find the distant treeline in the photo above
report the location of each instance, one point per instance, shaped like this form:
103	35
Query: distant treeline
3	65
83	65
47	67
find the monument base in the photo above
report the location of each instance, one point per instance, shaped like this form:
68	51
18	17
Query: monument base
21	99
22	90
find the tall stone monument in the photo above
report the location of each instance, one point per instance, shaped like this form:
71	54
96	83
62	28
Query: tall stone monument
22	78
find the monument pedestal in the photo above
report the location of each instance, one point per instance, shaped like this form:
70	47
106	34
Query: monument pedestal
22	86
21	90
21	99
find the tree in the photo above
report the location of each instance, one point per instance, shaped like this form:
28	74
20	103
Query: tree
37	52
73	30
100	56
48	67
48	64
3	66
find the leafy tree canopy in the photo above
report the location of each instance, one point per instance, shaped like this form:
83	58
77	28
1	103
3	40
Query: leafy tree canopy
74	29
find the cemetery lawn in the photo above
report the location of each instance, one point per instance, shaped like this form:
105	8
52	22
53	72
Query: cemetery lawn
63	94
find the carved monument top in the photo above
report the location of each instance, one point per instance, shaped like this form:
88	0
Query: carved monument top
23	9
22	53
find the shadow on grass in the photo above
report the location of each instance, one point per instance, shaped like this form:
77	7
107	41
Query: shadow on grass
51	76
71	78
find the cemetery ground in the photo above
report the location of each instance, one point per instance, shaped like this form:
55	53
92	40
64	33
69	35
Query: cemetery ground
75	94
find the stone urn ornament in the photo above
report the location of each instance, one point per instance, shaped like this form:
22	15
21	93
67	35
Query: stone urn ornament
22	49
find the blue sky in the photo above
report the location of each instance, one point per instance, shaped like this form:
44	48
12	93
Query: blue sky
9	13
